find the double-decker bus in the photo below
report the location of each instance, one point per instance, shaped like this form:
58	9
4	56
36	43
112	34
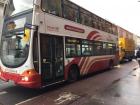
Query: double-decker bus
49	41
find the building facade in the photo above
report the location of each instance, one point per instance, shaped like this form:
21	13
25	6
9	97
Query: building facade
1	12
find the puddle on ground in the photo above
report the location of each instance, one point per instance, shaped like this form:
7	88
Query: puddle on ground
66	97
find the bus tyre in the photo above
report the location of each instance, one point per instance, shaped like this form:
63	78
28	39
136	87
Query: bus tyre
73	74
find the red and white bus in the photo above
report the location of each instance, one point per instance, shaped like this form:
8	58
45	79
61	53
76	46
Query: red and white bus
49	41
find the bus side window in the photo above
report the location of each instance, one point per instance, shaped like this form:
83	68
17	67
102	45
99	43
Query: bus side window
73	50
85	17
78	48
70	11
87	50
70	50
98	47
52	7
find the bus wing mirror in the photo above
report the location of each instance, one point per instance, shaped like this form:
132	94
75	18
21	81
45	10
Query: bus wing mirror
30	26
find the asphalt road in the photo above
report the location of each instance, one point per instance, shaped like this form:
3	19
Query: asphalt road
120	86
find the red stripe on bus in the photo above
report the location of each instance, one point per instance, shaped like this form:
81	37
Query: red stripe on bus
97	36
82	62
91	34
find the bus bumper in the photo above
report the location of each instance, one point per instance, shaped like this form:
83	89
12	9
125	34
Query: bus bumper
29	81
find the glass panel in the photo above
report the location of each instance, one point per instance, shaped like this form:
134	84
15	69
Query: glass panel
103	25
13	24
46	56
78	47
114	49
71	11
97	48
104	48
73	47
52	7
70	4
86	50
109	48
86	47
58	56
15	40
85	17
72	40
15	49
70	50
115	30
95	21
71	14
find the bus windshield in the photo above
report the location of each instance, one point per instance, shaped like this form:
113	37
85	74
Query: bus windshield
16	6
15	40
15	49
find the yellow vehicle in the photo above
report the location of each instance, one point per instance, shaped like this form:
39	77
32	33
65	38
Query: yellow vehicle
126	48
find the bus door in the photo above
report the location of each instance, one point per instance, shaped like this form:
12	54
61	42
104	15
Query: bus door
52	59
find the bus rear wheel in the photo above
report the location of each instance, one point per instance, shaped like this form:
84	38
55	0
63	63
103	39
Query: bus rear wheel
73	74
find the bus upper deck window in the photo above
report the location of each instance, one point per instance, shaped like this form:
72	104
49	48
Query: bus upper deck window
52	7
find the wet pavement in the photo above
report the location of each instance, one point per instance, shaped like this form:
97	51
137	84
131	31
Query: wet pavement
125	91
120	86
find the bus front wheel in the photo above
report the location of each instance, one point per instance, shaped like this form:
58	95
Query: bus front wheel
73	74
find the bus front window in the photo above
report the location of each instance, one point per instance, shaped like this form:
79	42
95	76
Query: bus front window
16	6
15	34
15	48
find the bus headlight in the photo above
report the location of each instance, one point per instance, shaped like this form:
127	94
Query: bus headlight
25	79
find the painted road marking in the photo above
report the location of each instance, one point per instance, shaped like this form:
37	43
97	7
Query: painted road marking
5	83
1	82
26	100
64	97
2	93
